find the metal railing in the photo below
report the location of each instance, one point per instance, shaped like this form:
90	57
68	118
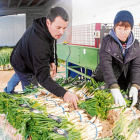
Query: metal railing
81	35
84	35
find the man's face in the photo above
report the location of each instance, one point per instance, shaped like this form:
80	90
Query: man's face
57	27
122	32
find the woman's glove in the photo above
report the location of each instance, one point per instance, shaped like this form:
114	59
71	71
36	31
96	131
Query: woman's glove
133	93
118	98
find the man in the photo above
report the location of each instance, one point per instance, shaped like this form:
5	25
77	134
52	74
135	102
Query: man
119	63
34	53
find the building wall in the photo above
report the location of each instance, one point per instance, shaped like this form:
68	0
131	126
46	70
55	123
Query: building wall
30	17
102	11
67	4
12	28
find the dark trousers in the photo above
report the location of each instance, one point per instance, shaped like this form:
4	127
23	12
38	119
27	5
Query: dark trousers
26	79
123	82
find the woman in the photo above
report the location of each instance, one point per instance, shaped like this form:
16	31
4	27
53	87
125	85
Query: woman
119	63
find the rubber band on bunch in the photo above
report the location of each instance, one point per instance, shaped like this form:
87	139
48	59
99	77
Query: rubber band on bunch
79	115
95	128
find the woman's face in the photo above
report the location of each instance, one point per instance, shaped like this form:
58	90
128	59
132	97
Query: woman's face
122	32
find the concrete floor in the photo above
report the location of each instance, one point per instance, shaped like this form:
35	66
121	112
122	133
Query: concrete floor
6	75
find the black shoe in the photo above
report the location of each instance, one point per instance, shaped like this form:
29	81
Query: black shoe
14	92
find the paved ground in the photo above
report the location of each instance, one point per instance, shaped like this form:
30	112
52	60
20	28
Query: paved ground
6	75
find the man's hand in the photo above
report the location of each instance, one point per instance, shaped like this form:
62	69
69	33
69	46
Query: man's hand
133	93
71	97
118	98
53	67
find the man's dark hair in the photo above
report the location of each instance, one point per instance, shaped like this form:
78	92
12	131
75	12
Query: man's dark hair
57	11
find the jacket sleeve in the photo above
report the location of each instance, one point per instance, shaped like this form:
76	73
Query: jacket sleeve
106	65
135	68
135	72
52	55
41	63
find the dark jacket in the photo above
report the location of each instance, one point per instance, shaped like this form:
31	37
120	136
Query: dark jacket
113	62
33	54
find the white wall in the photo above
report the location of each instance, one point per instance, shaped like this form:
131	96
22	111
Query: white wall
11	29
102	11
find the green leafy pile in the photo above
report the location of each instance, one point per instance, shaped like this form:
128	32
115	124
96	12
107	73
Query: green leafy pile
5	54
67	82
60	61
34	125
96	85
99	104
30	89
